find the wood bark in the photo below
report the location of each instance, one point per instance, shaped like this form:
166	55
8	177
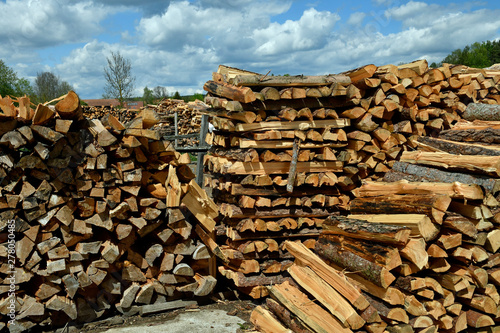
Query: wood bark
433	206
341	255
431	174
361	229
290	81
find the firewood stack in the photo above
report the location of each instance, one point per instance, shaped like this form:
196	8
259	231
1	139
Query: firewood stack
123	115
288	150
103	216
188	115
421	245
355	127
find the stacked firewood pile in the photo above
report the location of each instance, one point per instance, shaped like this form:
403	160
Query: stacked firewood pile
123	115
102	213
421	246
277	138
188	119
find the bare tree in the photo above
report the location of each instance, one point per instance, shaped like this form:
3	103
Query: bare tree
119	79
160	93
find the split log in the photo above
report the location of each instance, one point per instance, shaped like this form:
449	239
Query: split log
265	322
240	94
309	312
331	276
286	316
327	296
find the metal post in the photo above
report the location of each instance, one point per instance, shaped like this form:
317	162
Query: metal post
176	118
201	155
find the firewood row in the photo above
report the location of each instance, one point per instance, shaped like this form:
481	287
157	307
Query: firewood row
107	216
189	117
293	157
420	245
95	112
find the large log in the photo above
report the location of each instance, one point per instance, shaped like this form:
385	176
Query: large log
487	135
361	229
290	81
433	206
431	174
328	248
69	107
489	165
459	148
453	190
240	94
481	111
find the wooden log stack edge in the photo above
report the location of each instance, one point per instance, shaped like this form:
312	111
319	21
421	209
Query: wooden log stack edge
375	174
106	216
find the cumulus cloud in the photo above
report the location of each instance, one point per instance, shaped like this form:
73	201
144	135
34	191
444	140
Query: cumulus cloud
356	18
38	24
178	44
310	31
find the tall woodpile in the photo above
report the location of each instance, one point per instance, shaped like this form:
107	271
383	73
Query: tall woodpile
417	253
103	216
278	138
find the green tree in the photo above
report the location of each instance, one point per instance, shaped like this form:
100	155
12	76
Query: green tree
11	84
147	96
477	55
177	95
119	78
49	86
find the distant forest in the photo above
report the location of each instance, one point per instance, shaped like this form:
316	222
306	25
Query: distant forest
478	55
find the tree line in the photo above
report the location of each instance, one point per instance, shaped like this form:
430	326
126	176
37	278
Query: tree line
119	84
46	86
478	55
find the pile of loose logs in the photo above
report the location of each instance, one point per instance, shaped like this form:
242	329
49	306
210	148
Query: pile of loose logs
107	217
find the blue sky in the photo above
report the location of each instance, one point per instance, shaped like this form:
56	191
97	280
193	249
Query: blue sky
178	44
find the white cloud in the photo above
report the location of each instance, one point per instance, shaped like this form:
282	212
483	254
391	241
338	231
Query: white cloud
356	18
178	44
310	31
38	24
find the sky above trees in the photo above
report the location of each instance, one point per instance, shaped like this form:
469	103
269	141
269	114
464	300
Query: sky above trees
178	44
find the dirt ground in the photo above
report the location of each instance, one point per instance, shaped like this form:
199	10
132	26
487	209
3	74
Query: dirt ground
239	308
